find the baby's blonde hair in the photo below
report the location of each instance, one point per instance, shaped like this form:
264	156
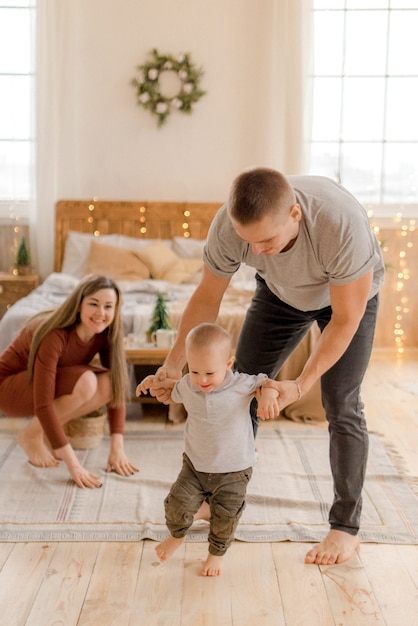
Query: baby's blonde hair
206	335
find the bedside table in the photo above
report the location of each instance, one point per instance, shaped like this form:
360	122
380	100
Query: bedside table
12	288
145	358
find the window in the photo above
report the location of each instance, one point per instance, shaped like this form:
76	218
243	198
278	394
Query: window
16	103
365	98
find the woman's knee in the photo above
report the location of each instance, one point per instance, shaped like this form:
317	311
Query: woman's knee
104	387
86	387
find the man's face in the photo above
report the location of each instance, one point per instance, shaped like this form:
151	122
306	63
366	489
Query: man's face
272	234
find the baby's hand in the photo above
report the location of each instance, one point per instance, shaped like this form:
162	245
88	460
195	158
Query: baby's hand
145	385
268	403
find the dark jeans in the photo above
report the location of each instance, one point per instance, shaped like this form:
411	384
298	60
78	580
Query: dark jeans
271	331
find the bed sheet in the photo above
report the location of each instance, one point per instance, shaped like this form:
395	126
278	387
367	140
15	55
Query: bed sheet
137	305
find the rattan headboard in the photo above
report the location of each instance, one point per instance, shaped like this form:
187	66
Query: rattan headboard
147	220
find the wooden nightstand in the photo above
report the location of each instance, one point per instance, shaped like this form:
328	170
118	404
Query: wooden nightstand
12	288
146	356
147	360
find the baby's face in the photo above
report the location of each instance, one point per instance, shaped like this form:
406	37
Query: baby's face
208	369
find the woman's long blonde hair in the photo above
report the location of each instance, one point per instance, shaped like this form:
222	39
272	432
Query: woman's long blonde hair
68	315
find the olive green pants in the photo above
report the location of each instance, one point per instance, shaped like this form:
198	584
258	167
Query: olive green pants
225	494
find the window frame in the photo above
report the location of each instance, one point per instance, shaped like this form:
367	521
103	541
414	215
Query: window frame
379	205
18	203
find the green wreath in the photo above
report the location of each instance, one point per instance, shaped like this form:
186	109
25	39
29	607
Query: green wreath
148	88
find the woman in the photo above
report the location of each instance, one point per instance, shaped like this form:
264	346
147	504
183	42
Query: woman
47	372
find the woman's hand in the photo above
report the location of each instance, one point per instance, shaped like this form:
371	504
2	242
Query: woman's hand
118	461
81	476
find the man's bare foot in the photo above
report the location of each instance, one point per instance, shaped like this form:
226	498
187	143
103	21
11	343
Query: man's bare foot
203	512
36	451
337	547
212	566
166	548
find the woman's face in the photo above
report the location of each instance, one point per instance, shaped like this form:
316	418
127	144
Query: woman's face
97	312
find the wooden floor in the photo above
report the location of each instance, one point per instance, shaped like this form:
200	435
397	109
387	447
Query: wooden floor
118	584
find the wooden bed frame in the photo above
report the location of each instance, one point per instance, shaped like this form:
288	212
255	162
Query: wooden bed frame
165	220
144	220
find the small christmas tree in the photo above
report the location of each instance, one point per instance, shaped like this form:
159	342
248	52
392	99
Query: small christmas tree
160	317
22	261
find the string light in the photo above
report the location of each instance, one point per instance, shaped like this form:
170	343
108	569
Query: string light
404	228
185	225
143	220
91	219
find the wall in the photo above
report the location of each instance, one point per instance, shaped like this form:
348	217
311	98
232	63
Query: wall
116	150
95	141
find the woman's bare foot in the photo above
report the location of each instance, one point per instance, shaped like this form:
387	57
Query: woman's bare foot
212	566
203	512
337	547
166	548
35	449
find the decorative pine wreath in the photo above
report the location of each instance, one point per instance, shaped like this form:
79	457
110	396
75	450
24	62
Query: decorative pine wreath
148	88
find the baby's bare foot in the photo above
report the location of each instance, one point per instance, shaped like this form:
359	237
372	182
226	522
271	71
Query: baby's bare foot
166	548
36	451
212	566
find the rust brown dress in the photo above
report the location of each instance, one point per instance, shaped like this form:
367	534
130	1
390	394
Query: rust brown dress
60	361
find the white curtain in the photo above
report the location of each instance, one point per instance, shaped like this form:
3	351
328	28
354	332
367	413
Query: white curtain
56	115
290	100
93	140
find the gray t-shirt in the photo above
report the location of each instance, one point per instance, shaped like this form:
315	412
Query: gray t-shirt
335	245
218	435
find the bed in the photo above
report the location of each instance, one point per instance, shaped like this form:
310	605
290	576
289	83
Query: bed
147	247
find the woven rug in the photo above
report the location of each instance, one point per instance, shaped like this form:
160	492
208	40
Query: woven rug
288	496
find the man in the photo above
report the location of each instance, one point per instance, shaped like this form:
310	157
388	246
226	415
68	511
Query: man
316	260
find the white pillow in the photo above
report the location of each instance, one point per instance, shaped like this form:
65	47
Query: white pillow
244	275
188	248
77	248
134	243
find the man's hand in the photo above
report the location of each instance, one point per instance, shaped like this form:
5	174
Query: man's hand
145	386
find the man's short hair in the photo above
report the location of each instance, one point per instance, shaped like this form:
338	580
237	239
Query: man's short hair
258	192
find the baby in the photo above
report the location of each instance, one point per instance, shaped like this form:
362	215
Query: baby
219	442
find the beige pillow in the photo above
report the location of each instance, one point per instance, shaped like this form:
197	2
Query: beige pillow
164	264
117	263
183	271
